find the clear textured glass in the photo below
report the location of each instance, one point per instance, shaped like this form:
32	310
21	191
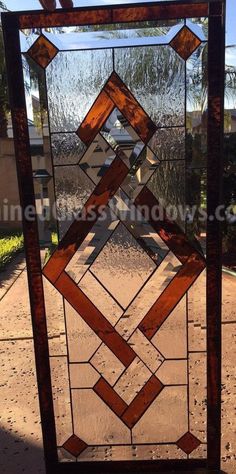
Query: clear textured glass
122	266
74	80
107	364
55	320
132	380
145	299
168	186
169	143
156	77
67	148
173	329
93	243
72	190
196	113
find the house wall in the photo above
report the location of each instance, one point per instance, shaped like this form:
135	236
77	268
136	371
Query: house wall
9	194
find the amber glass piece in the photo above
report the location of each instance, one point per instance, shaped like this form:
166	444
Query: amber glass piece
75	445
72	18
95	118
130	108
188	443
185	43
42	51
95	319
81	227
110	397
171	295
168	230
159	12
131	413
142	401
109	15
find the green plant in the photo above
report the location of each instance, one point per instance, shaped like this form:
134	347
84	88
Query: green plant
9	246
51	249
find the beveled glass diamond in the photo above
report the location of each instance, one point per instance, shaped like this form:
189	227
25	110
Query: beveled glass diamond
121	136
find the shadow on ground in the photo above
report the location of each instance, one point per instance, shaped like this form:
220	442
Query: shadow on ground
18	455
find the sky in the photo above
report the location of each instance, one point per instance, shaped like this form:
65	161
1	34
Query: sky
34	4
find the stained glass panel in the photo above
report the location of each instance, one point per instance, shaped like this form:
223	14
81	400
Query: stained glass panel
120	114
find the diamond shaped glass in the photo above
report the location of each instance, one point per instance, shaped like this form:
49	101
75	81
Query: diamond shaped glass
42	51
121	136
185	43
97	159
188	443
